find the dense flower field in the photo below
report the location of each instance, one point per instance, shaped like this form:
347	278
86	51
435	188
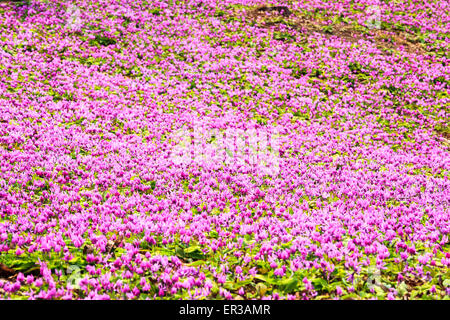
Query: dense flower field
127	171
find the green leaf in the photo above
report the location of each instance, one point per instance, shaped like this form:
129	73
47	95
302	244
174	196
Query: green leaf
267	279
230	285
350	296
162	251
214	234
320	284
243	283
380	293
194	252
23	266
402	289
288	285
414	293
196	263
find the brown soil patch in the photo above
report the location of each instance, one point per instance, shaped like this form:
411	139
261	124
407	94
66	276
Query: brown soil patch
446	141
266	16
444	135
5	272
283	10
413	282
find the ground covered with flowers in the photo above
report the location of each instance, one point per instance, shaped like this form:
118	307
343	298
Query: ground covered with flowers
93	205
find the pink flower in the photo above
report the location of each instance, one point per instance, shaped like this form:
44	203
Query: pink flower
279	272
20	277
